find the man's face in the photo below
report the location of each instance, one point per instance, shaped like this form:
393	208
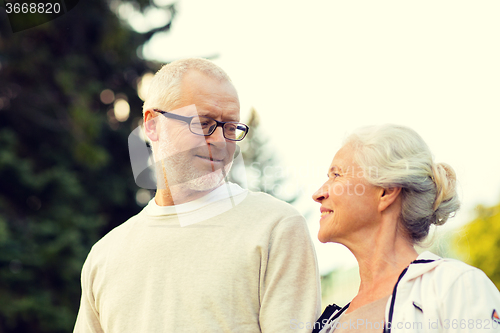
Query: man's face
192	161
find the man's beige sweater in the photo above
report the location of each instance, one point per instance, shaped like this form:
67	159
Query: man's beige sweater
248	266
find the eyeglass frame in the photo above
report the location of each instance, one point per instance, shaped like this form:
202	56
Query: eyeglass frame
188	120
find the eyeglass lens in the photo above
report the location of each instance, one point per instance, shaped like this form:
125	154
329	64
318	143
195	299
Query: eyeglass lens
206	126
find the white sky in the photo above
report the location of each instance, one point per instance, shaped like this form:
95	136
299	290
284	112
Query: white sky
316	70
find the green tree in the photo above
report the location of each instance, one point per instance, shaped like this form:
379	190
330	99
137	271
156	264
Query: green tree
65	175
479	244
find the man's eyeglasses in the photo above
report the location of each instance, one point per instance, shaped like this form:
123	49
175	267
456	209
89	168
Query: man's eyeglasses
201	125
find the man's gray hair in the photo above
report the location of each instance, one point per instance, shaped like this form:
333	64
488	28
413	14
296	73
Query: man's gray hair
396	156
165	88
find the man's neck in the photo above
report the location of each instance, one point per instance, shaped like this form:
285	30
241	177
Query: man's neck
167	197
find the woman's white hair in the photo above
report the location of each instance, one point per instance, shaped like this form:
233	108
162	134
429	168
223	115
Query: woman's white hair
396	156
165	88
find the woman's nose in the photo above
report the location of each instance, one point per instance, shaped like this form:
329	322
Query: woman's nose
321	194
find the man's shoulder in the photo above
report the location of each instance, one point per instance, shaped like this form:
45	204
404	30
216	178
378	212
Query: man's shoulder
266	202
118	232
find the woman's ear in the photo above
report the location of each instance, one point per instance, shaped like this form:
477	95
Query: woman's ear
387	197
150	126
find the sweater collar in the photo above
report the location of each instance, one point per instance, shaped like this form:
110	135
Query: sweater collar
224	191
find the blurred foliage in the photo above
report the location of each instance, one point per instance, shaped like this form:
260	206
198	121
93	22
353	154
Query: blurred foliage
479	244
65	171
262	170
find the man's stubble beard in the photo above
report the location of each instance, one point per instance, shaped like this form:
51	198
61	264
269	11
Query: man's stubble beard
179	171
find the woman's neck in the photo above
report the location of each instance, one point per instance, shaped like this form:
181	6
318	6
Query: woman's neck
381	256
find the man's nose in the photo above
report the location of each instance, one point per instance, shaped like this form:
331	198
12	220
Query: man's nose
217	137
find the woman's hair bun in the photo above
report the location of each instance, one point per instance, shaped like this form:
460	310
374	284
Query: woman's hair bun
446	202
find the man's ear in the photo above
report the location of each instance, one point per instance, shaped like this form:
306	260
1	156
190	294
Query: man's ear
388	196
150	125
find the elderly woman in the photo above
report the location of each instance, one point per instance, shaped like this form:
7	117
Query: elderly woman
382	195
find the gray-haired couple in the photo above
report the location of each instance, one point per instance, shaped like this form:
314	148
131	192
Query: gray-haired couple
206	255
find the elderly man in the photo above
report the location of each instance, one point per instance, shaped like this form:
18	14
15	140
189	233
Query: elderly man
204	255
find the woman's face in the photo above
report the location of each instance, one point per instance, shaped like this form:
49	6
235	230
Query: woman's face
349	205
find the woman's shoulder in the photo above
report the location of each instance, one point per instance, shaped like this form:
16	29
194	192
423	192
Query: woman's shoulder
462	291
430	264
455	268
448	273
